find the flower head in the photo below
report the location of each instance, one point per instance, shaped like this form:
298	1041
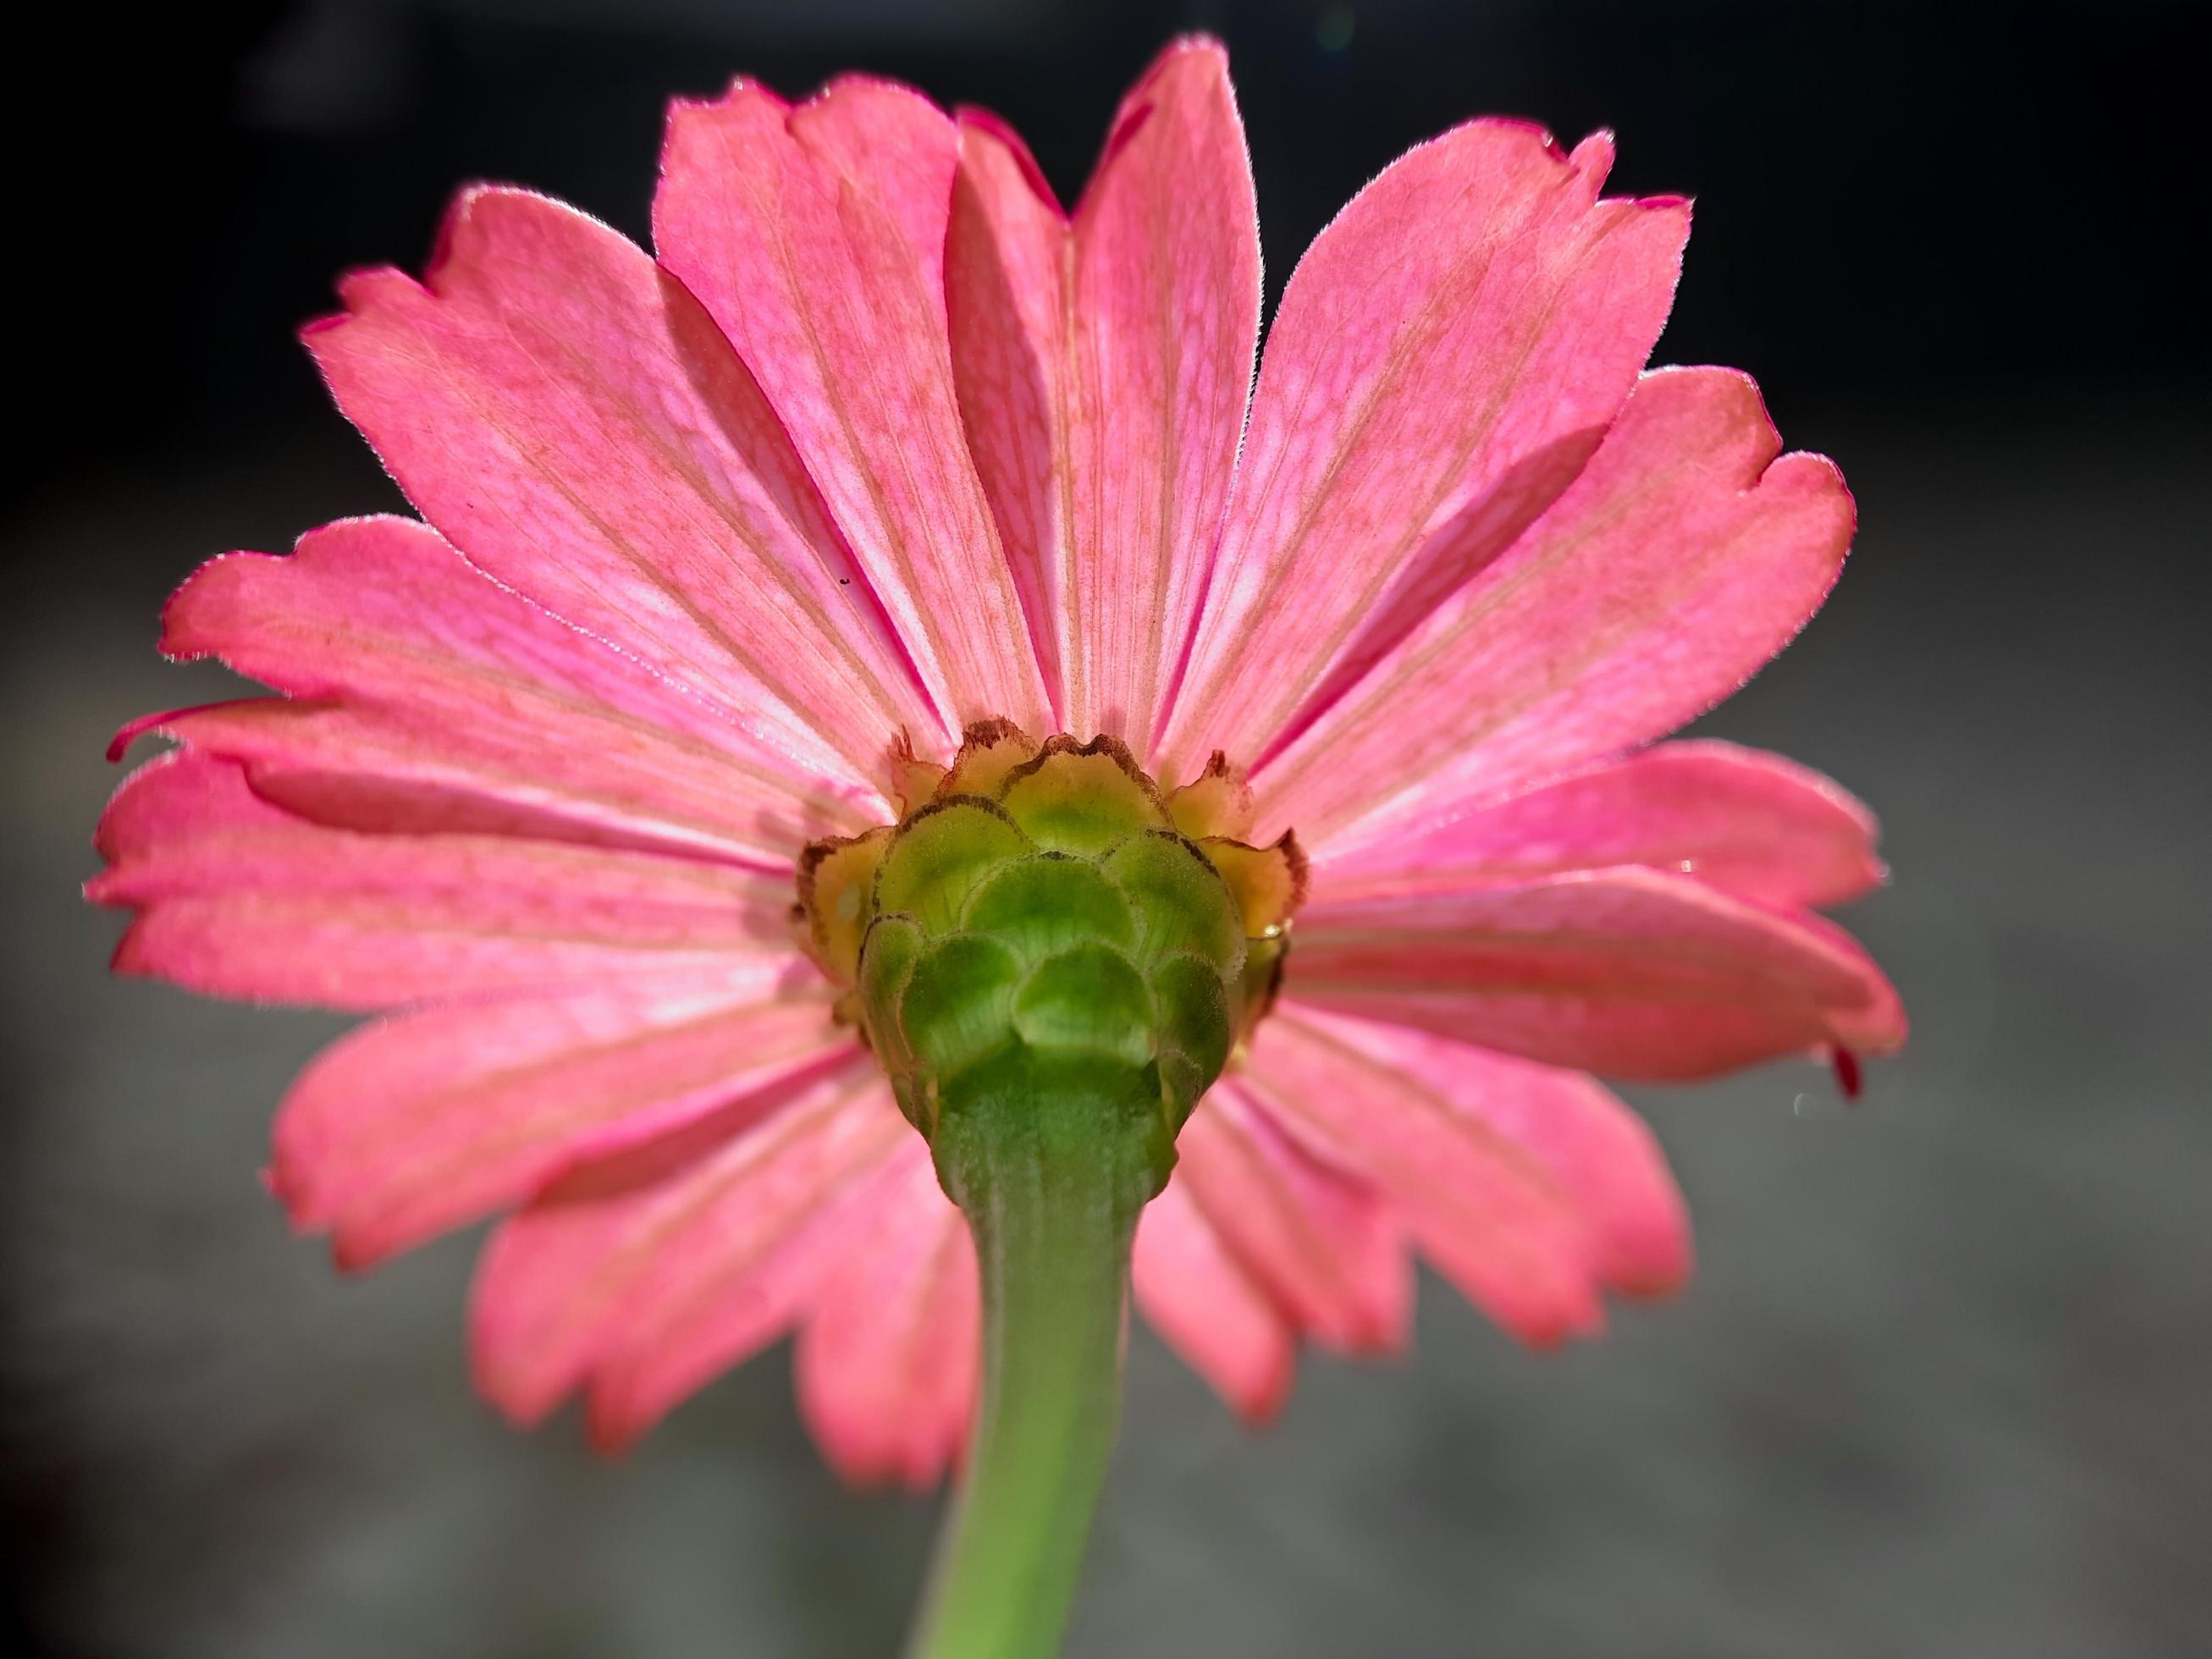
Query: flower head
895	543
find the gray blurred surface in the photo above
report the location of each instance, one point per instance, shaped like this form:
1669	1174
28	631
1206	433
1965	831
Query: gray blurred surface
1941	1385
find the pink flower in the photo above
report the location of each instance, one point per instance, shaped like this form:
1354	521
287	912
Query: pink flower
883	443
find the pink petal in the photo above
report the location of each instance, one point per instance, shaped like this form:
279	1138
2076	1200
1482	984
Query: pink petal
1467	1141
1319	1240
1446	357
886	1365
1749	822
238	897
572	419
1103	366
815	235
423	1122
470	706
1484	1208
1682	559
1209	1309
647	1274
1627	972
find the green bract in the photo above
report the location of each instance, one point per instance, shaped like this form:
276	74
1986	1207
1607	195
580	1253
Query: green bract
1043	914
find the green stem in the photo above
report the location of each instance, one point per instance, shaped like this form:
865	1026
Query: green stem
1052	1167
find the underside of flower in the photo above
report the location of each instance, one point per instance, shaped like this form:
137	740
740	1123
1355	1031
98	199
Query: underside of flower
880	438
1045	913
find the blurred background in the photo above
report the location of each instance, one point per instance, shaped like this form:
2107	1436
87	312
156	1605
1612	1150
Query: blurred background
1944	1381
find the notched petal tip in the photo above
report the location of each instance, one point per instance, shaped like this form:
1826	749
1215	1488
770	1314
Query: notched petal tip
1127	124
1849	1079
131	731
1525	125
355	1257
1730	399
1559	1325
1647	1282
452	223
1194	41
179	640
1144	98
612	1426
1593	156
369	288
126	960
1881	1027
1179	51
747	86
861	82
1810	473
1263	1407
359	288
975	121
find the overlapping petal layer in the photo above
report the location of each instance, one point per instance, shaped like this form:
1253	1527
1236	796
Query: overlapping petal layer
1683	557
1447	354
424	696
815	237
436	1117
238	897
1532	1187
1210	1309
643	1273
1627	972
573	420
1750	823
1103	363
1320	1243
886	1363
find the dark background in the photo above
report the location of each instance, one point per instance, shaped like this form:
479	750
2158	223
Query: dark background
1944	1384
